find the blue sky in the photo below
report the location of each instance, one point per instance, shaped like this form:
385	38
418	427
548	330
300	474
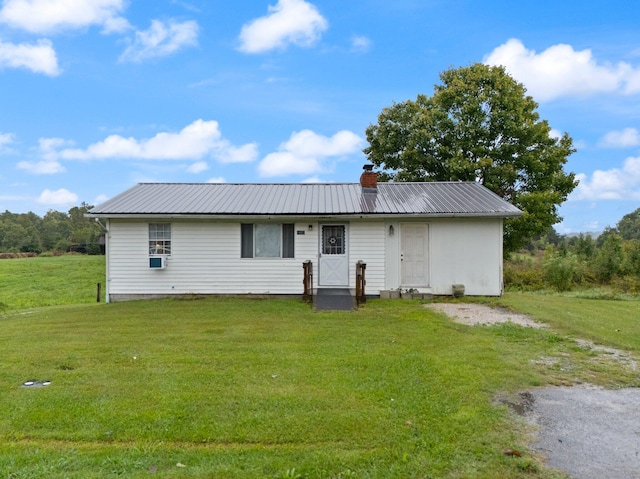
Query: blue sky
97	95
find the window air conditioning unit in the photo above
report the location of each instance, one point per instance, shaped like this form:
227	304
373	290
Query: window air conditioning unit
158	262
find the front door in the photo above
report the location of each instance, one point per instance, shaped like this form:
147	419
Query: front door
414	260
333	261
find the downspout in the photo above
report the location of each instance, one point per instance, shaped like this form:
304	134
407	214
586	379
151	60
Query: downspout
501	257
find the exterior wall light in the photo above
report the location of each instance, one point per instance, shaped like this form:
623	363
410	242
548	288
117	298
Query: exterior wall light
391	230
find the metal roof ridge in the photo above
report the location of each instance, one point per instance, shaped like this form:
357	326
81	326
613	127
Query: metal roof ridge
355	183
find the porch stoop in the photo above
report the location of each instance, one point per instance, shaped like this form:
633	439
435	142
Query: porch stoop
336	299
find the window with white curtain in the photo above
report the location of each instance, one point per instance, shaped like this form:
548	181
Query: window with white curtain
267	240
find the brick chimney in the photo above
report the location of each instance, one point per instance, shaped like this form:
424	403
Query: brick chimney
369	178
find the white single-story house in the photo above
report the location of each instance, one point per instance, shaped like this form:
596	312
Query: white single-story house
205	238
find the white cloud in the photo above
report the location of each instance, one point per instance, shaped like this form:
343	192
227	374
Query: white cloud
614	184
39	57
555	133
196	141
312	179
628	137
561	71
58	197
5	140
305	153
100	199
290	21
12	198
161	39
218	179
238	154
286	163
41	167
360	44
49	16
48	147
198	167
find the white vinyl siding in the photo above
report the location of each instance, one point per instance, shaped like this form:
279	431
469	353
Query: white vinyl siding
307	246
473	256
205	259
367	243
461	251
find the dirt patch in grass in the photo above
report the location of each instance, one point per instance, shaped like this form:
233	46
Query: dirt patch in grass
480	314
604	353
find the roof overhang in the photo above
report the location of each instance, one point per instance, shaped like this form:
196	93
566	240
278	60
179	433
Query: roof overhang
253	217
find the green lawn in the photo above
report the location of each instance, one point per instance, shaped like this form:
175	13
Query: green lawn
612	323
228	388
48	281
241	388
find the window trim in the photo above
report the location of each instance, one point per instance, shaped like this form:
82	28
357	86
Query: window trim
160	243
287	241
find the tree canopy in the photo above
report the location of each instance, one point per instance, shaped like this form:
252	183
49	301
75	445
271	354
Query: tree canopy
479	125
56	231
629	225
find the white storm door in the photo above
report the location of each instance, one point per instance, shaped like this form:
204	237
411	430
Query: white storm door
414	255
333	261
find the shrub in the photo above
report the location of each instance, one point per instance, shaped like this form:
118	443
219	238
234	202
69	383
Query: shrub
626	284
609	260
561	272
632	257
523	273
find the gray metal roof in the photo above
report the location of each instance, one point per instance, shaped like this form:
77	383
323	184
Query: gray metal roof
307	199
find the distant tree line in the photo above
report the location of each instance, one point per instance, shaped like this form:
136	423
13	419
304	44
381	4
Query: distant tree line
563	262
54	232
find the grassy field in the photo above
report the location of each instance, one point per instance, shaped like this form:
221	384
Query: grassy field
48	281
241	388
610	323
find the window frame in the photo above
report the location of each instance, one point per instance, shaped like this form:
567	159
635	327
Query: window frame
159	245
248	240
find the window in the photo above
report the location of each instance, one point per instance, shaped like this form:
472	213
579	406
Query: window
267	240
159	238
333	239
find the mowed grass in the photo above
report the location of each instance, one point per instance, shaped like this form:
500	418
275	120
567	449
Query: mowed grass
226	388
48	281
607	322
241	388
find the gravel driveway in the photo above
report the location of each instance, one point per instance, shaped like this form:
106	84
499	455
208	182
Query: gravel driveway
585	431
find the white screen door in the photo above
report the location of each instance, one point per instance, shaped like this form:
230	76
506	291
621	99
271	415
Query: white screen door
333	264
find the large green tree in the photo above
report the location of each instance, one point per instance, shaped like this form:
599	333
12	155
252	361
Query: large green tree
479	125
629	226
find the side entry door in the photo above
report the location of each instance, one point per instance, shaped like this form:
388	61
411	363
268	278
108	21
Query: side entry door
414	255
